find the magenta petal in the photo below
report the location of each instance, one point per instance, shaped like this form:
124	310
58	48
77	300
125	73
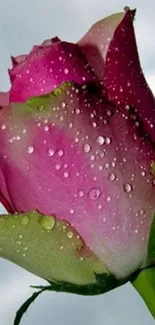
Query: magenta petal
77	156
46	67
4	99
123	76
18	59
110	48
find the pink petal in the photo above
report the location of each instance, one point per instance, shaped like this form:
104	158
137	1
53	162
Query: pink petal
18	59
4	99
80	158
116	61
46	67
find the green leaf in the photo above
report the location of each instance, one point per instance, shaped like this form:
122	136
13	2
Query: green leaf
150	258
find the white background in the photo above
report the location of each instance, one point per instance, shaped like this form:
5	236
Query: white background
22	24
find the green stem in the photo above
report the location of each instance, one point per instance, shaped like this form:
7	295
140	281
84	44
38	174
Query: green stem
144	283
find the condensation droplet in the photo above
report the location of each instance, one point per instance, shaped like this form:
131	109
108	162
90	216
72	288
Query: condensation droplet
25	220
47	222
40	108
66	174
111	177
141	212
108	198
70	234
61	247
100	140
30	149
3	126
108	140
127	188
81	193
60	152
86	148
94	193
66	71
51	152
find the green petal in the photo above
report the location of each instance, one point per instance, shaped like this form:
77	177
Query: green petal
53	250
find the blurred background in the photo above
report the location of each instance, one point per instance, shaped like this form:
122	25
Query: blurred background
23	24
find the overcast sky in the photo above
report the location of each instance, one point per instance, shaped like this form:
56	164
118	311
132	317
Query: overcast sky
22	24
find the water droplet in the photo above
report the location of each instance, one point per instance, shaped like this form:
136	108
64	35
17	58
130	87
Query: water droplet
25	220
77	111
141	212
143	173
71	211
86	148
66	174
94	193
60	152
40	108
3	126
111	177
61	247
30	149
108	198
51	152
66	71
63	104
18	242
57	166
46	128
108	140
47	222
100	140
127	188
70	234
81	193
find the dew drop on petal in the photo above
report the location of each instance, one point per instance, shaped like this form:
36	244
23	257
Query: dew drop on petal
127	188
60	152
108	140
70	234
25	220
3	126
30	149
100	140
111	177
51	152
86	148
94	193
66	174
66	71
47	222
81	193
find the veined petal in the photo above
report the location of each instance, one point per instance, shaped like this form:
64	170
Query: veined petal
76	156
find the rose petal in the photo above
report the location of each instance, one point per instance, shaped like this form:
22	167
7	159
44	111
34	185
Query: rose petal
117	62
76	156
46	67
4	99
53	250
96	41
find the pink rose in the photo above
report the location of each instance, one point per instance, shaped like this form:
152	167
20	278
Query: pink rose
77	163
